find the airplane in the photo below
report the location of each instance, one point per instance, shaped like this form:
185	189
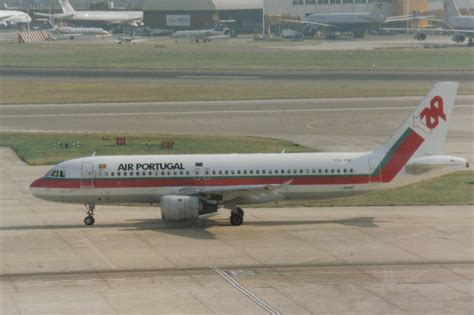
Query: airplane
73	32
220	31
187	186
350	22
13	17
460	26
133	18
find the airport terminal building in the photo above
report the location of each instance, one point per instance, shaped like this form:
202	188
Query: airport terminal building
202	14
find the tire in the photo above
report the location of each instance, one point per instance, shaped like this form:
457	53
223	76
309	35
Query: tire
236	219
89	220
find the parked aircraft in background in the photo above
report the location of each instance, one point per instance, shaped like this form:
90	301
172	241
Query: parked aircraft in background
187	186
73	32
10	18
460	26
353	22
133	18
220	31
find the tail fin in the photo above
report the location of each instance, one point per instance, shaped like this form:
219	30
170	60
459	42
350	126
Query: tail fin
66	7
424	131
451	8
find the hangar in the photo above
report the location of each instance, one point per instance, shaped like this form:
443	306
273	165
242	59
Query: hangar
202	14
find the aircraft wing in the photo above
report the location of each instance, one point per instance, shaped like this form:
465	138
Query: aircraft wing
403	18
6	17
307	22
235	192
429	30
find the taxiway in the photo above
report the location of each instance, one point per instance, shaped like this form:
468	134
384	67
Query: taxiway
291	261
345	124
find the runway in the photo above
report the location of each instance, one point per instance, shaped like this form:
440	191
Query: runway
303	261
376	75
329	124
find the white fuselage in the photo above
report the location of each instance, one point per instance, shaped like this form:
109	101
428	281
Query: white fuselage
106	16
347	21
460	22
13	16
145	179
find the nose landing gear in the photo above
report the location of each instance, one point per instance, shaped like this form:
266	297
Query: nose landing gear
89	220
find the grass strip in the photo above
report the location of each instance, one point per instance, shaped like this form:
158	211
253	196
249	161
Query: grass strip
33	91
49	148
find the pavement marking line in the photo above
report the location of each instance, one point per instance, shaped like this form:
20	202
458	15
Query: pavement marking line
267	307
264	111
232	77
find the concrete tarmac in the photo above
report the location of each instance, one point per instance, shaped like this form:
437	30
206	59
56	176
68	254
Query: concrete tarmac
343	124
361	260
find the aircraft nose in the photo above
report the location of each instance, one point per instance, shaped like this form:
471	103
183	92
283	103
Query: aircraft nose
37	186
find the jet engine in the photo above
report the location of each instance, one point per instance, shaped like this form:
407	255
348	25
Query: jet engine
420	36
459	38
184	208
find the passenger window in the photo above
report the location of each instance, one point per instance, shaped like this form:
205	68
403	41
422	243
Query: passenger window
345	170
238	172
326	171
257	172
338	170
118	174
352	170
276	171
213	172
187	172
112	174
332	170
226	172
251	171
245	172
220	172
263	171
320	171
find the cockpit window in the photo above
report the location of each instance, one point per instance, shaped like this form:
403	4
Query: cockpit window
56	173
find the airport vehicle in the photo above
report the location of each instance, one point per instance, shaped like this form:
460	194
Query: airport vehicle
460	26
352	22
133	18
220	31
132	39
187	186
10	18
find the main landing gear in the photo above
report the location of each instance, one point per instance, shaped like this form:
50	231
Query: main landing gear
237	217
89	220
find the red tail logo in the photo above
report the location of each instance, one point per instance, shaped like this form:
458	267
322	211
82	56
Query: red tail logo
432	114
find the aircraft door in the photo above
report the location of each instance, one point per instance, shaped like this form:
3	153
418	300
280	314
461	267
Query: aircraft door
202	173
375	172
87	175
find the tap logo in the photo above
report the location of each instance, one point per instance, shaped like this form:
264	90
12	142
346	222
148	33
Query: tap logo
432	114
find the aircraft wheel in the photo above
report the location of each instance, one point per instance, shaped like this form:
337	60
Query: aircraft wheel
89	220
236	219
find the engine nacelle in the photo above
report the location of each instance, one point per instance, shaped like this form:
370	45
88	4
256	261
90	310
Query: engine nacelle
459	38
184	208
420	36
